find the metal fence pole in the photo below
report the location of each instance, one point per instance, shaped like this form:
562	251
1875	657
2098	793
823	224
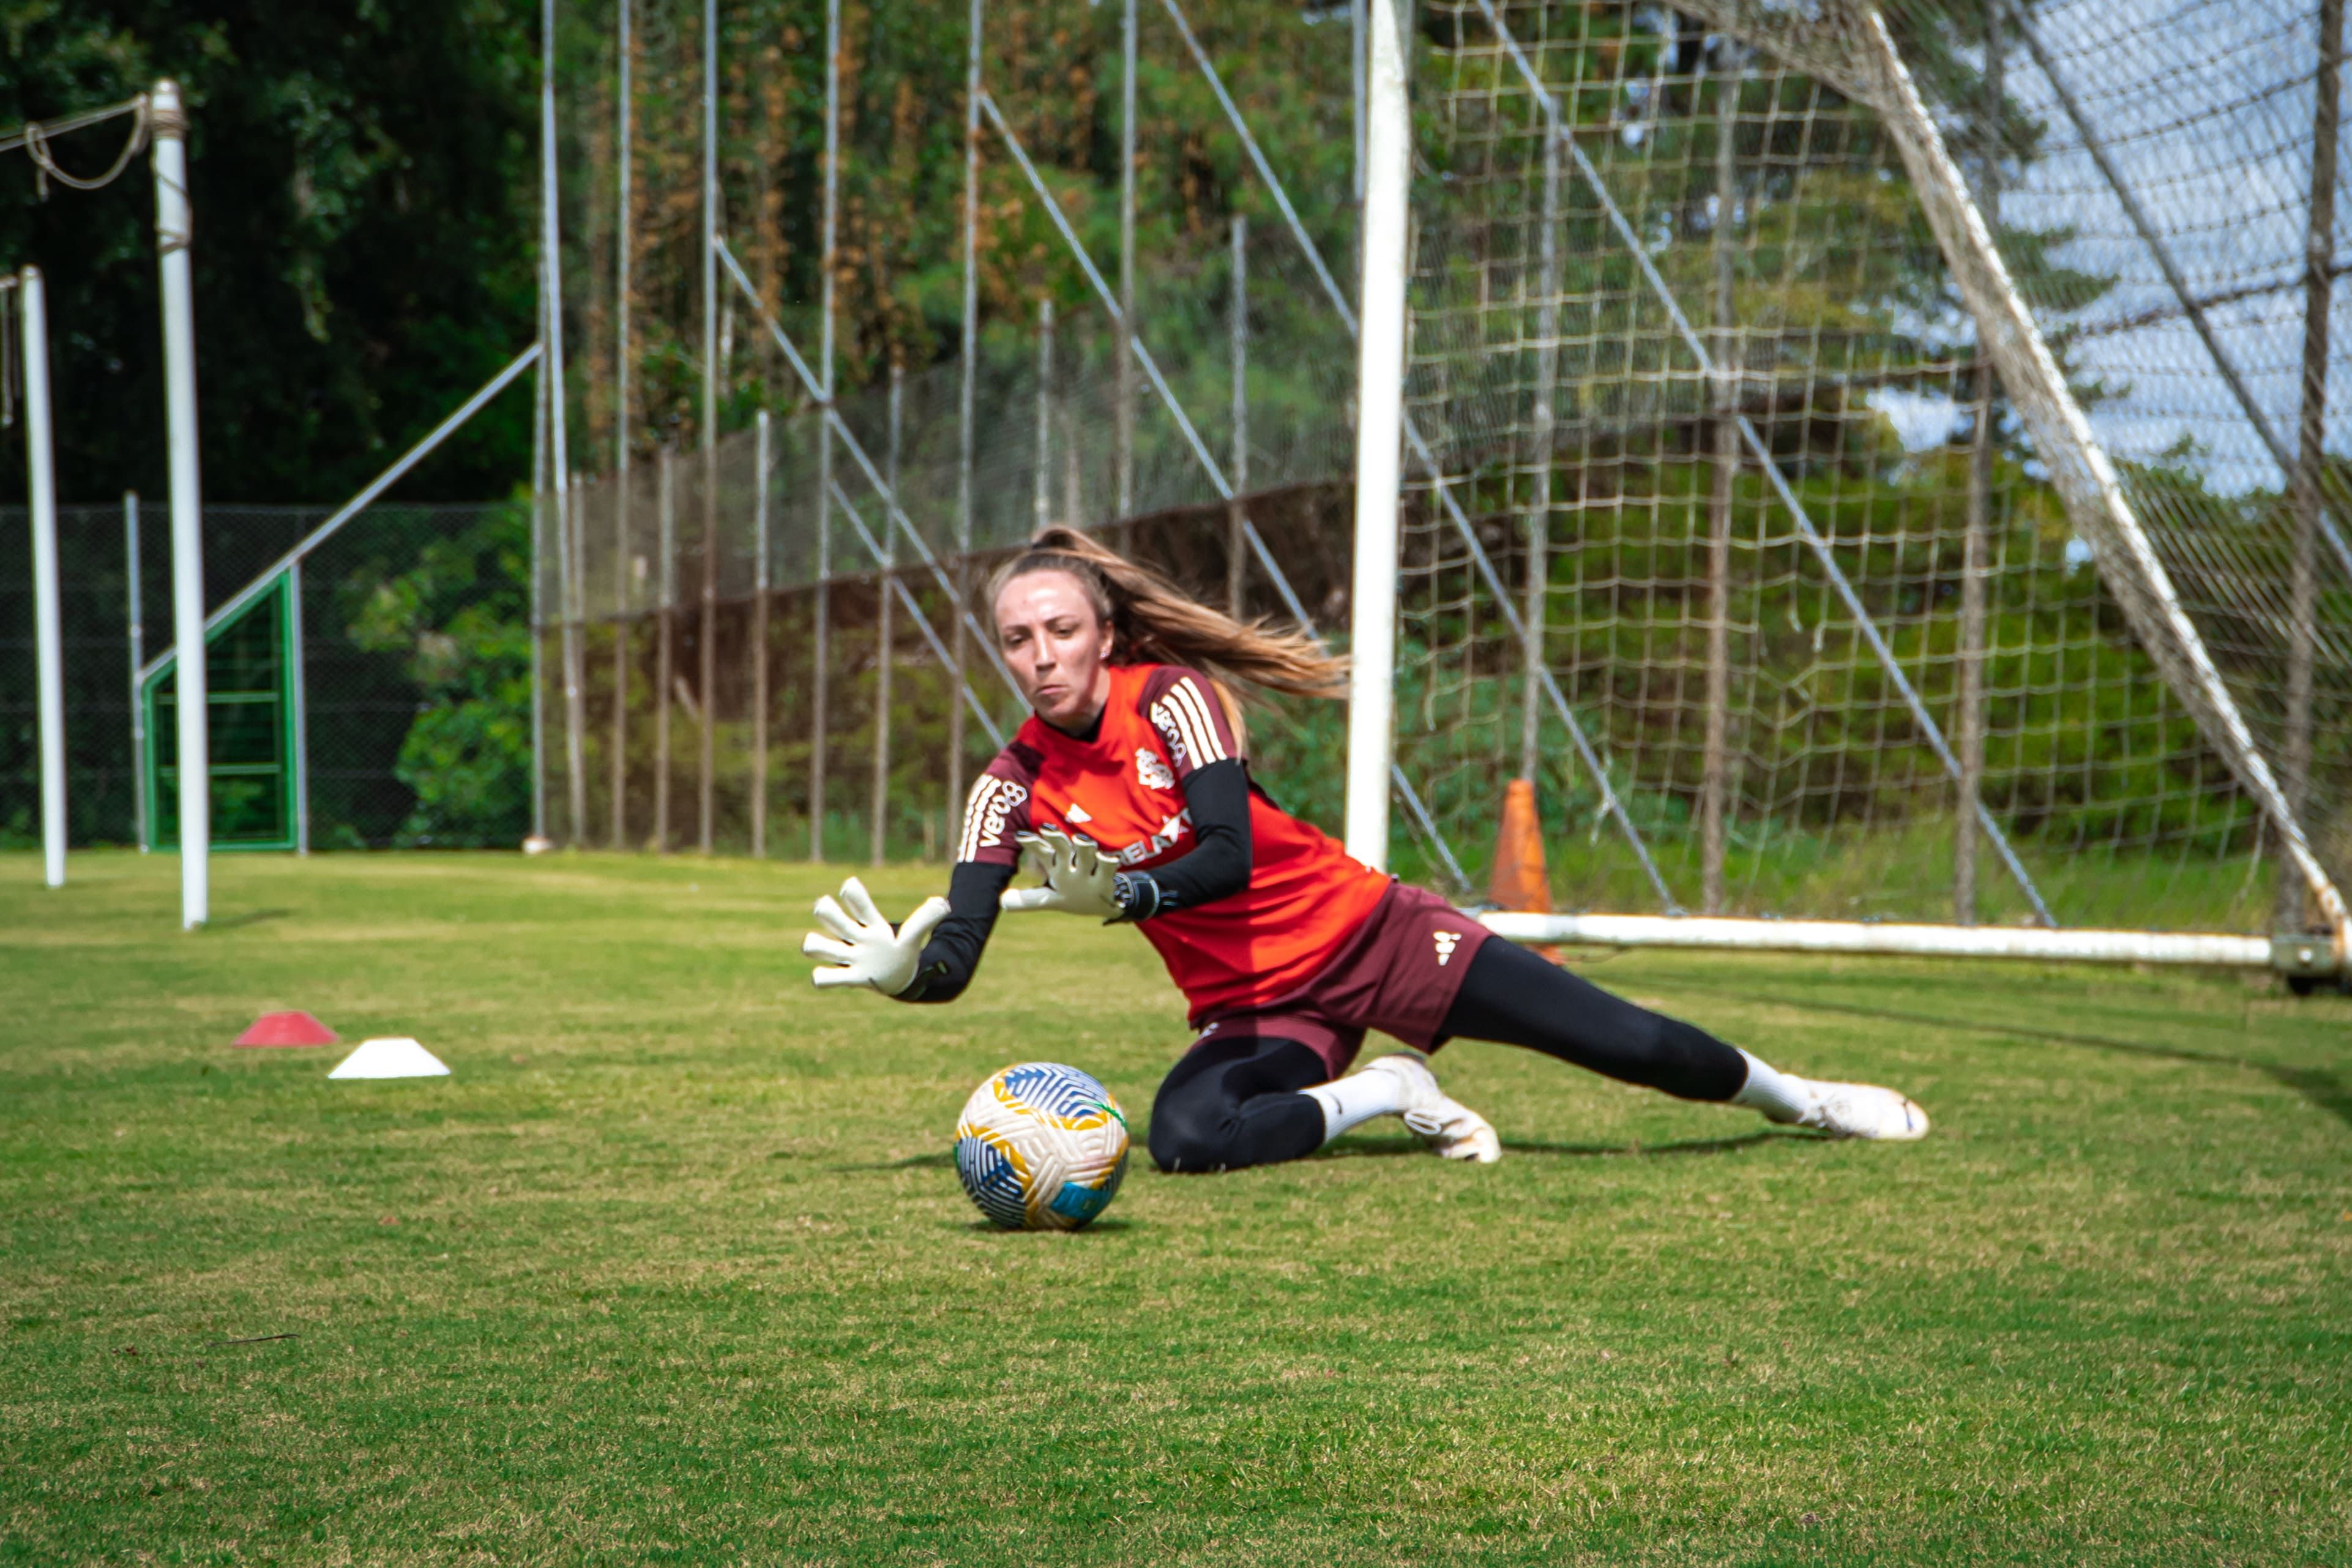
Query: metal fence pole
2311	456
1356	41
575	607
1041	497
1539	442
621	640
705	740
1123	392
760	638
576	781
1237	347
821	686
821	648
1725	387
138	640
1969	723
623	226
885	653
665	657
708	639
966	430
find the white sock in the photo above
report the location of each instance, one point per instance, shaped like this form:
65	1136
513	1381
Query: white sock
1352	1100
1781	1097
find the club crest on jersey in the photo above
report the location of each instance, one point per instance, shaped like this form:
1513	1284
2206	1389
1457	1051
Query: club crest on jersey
1152	770
1448	940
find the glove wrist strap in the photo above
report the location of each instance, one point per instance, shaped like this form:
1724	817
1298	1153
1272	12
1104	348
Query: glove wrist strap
1140	896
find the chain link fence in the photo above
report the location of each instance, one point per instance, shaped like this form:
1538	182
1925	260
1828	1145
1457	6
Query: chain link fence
410	724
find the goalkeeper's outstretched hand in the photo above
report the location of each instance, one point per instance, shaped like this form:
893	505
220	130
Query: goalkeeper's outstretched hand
1080	880
863	950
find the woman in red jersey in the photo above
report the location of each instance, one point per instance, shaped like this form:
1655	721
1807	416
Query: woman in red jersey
1127	793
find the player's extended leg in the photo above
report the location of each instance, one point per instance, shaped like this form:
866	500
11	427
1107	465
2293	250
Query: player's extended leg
1513	997
1237	1101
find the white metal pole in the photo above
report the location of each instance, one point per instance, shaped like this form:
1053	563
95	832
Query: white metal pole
537	839
1380	413
42	484
172	236
133	614
559	469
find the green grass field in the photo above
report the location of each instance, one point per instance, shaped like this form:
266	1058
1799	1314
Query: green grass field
675	1268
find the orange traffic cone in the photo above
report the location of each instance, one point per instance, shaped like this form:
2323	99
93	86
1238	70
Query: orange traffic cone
1519	881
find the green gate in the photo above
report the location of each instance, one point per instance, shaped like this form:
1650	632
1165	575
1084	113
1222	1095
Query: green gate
252	705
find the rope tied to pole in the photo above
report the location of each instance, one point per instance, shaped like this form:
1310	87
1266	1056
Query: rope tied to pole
35	137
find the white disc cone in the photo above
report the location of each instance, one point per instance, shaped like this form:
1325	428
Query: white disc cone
391	1059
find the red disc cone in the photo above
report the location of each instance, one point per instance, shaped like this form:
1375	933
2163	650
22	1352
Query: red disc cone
287	1030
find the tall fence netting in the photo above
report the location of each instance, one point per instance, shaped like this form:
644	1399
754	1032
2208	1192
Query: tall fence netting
1724	523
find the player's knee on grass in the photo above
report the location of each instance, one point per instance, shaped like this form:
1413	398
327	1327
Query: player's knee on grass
1229	1104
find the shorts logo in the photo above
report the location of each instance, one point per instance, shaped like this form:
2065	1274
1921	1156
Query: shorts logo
1448	940
1154	773
1077	813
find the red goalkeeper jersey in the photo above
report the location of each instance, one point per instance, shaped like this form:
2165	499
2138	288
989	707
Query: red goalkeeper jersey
1123	789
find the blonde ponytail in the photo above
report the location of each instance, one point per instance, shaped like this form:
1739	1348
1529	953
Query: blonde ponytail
1153	621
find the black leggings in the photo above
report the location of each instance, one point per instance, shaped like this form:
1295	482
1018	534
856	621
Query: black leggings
1234	1102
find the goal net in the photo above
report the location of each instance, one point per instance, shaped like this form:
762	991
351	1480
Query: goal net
1872	606
1870	466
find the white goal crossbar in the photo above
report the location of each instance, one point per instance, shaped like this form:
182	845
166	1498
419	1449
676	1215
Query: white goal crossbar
2306	956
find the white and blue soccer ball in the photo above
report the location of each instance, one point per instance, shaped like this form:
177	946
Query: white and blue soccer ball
1041	1146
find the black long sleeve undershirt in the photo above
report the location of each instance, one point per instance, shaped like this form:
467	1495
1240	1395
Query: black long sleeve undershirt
1218	865
1216	798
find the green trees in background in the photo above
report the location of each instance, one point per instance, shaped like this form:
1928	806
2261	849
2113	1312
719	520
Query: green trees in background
457	620
359	174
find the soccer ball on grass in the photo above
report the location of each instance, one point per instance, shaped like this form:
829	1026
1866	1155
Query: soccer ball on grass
1041	1146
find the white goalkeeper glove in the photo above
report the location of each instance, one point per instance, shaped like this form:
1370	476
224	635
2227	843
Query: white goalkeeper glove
1080	880
863	949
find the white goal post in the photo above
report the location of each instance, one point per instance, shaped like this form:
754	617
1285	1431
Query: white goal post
1380	435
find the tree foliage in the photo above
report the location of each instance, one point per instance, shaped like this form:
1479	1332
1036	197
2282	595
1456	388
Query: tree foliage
360	174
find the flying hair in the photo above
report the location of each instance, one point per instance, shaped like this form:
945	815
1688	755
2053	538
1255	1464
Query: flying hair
1153	621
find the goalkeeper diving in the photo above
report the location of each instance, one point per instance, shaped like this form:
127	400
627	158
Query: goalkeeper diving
1126	794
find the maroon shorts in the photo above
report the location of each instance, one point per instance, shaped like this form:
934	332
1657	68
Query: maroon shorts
1399	975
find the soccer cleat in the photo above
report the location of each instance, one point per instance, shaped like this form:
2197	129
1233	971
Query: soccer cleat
1864	1110
1450	1128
